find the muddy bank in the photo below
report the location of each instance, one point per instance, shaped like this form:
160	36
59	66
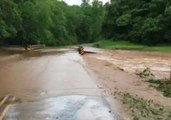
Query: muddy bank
114	80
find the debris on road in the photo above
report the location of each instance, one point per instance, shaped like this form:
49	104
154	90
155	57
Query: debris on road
82	51
146	73
33	47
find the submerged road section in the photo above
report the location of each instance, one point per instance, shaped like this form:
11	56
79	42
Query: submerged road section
63	108
54	86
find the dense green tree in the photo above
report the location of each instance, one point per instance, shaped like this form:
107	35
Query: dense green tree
142	21
53	22
10	19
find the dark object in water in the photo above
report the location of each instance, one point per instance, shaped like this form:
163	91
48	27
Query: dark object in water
81	50
33	47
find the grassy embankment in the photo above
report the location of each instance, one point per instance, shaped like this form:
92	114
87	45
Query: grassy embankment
141	109
163	85
108	44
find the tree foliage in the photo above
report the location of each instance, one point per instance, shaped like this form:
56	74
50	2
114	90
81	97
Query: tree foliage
49	22
53	22
142	21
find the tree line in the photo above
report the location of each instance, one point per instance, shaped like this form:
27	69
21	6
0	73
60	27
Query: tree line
53	22
141	21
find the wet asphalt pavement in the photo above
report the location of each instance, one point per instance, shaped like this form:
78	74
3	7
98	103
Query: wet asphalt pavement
63	108
53	87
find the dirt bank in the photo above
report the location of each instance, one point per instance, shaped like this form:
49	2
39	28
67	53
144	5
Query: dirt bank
115	80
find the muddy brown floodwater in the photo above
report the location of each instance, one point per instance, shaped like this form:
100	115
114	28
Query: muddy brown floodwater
137	61
116	72
51	84
45	73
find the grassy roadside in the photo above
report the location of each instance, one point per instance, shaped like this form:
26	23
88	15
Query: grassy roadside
141	109
163	85
107	44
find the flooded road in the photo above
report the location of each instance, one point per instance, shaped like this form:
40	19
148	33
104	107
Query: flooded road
63	108
60	74
52	84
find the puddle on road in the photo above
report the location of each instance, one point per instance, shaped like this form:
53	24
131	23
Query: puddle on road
63	108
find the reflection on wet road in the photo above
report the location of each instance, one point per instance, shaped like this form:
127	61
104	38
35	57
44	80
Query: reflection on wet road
63	108
39	79
58	74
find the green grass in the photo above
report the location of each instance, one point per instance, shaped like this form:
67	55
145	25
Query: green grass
163	86
109	44
142	109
